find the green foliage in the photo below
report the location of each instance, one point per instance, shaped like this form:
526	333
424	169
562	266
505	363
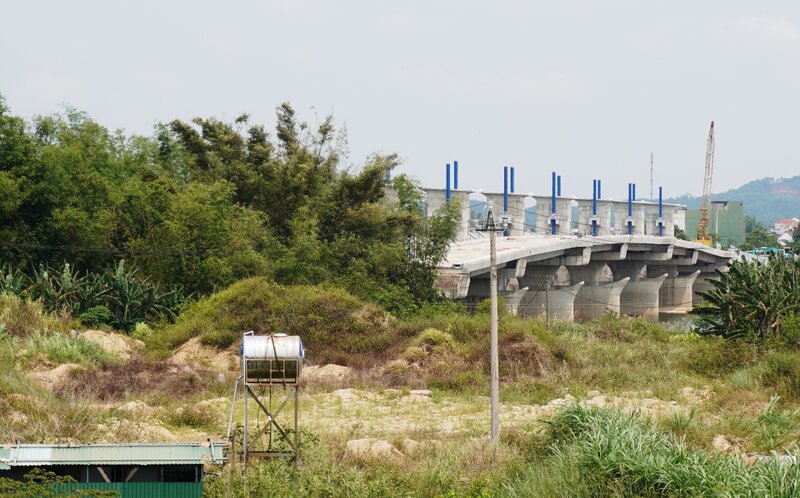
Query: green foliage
751	300
21	317
60	348
600	453
485	308
756	235
96	316
196	416
41	483
118	296
781	371
336	326
199	206
432	339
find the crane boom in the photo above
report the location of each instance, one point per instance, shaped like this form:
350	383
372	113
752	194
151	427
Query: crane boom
705	202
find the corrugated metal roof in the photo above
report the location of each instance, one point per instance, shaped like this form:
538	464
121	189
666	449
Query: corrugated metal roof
110	454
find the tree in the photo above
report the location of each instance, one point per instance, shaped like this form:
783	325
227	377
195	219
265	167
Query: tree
759	237
751	300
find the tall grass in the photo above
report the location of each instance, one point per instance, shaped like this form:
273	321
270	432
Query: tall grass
579	453
60	348
600	453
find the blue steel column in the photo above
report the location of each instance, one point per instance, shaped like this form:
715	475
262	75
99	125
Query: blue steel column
599	189
447	183
553	207
455	175
594	208
559	185
505	197
512	180
630	209
505	189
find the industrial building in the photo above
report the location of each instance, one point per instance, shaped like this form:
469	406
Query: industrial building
725	222
147	470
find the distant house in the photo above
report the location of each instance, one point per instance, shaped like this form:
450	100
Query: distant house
152	470
786	239
786	225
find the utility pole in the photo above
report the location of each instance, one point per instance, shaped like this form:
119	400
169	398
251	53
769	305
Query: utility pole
494	368
651	176
547	301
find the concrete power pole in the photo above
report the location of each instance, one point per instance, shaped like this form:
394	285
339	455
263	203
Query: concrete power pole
494	369
652	157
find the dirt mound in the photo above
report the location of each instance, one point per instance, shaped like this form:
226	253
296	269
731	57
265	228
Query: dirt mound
368	448
193	353
116	344
57	377
326	377
121	430
140	375
336	327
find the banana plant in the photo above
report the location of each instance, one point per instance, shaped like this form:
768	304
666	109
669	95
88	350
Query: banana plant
751	299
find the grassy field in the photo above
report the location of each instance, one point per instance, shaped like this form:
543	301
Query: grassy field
614	407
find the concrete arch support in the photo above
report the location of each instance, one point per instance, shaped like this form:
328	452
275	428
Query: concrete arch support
558	302
640	298
676	293
594	300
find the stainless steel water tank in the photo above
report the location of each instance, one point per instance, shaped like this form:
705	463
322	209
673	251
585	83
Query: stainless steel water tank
271	359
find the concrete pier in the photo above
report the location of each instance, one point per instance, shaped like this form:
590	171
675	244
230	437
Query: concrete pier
641	298
559	302
603	217
516	211
593	301
437	197
563	214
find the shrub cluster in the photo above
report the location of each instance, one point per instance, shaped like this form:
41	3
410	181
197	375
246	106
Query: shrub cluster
752	300
116	295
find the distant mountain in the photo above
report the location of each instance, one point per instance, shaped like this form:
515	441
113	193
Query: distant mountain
768	199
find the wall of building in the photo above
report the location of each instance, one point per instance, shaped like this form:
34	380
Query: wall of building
725	222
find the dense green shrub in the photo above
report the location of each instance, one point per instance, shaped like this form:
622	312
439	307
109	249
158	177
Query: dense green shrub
751	300
334	325
781	371
118	296
96	316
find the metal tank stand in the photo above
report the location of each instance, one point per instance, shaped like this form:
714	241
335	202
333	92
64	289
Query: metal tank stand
261	379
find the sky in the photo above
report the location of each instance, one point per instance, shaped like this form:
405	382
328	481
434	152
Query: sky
585	88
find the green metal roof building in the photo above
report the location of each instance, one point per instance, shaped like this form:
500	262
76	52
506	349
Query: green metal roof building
725	222
152	470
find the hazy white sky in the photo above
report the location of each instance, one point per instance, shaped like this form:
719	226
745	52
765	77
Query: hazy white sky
586	88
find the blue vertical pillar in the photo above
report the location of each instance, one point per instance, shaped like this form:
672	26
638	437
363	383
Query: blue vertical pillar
599	189
594	208
630	209
633	186
455	175
559	185
505	198
553	207
447	183
512	180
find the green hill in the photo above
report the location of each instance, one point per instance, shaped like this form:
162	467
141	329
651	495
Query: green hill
768	199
